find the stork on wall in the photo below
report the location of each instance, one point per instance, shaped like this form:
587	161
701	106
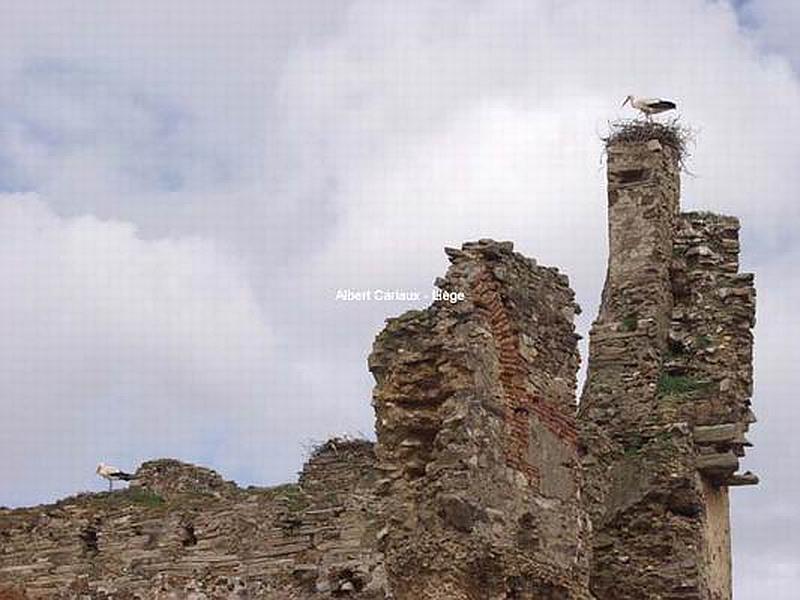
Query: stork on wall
649	106
112	474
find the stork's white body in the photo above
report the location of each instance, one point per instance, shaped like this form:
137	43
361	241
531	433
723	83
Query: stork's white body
650	106
112	474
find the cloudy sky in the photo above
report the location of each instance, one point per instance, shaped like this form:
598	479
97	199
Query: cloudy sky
184	186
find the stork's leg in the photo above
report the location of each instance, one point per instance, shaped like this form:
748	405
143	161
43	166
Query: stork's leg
110	485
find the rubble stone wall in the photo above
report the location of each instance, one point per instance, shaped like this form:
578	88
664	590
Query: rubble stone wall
476	434
204	537
666	400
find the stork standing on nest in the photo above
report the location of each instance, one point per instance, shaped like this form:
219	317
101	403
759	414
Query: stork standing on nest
112	474
649	106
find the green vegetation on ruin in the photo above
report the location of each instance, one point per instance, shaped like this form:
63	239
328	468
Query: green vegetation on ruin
144	497
703	341
291	494
630	322
630	451
679	384
118	499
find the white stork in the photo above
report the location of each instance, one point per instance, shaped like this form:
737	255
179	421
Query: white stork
649	106
112	474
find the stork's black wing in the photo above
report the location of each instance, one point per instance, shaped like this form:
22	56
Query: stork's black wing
662	105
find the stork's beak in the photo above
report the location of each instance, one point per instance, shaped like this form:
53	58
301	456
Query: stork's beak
624	102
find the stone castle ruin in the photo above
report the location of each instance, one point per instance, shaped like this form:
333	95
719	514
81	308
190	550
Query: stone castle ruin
487	481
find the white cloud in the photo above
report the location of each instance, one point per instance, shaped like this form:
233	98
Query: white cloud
267	155
774	24
114	344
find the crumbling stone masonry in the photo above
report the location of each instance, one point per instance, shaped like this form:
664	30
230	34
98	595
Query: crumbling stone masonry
666	401
183	532
477	437
484	483
473	494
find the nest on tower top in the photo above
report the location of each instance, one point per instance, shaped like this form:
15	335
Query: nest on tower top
671	133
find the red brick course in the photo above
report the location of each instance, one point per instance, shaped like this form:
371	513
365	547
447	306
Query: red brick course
519	403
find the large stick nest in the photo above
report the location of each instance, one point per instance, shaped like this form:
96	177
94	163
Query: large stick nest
671	133
340	445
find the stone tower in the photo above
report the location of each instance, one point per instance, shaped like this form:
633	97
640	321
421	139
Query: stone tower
666	402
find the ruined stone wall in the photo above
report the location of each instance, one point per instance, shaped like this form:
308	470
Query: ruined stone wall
483	483
710	337
665	404
710	364
476	436
474	492
184	532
